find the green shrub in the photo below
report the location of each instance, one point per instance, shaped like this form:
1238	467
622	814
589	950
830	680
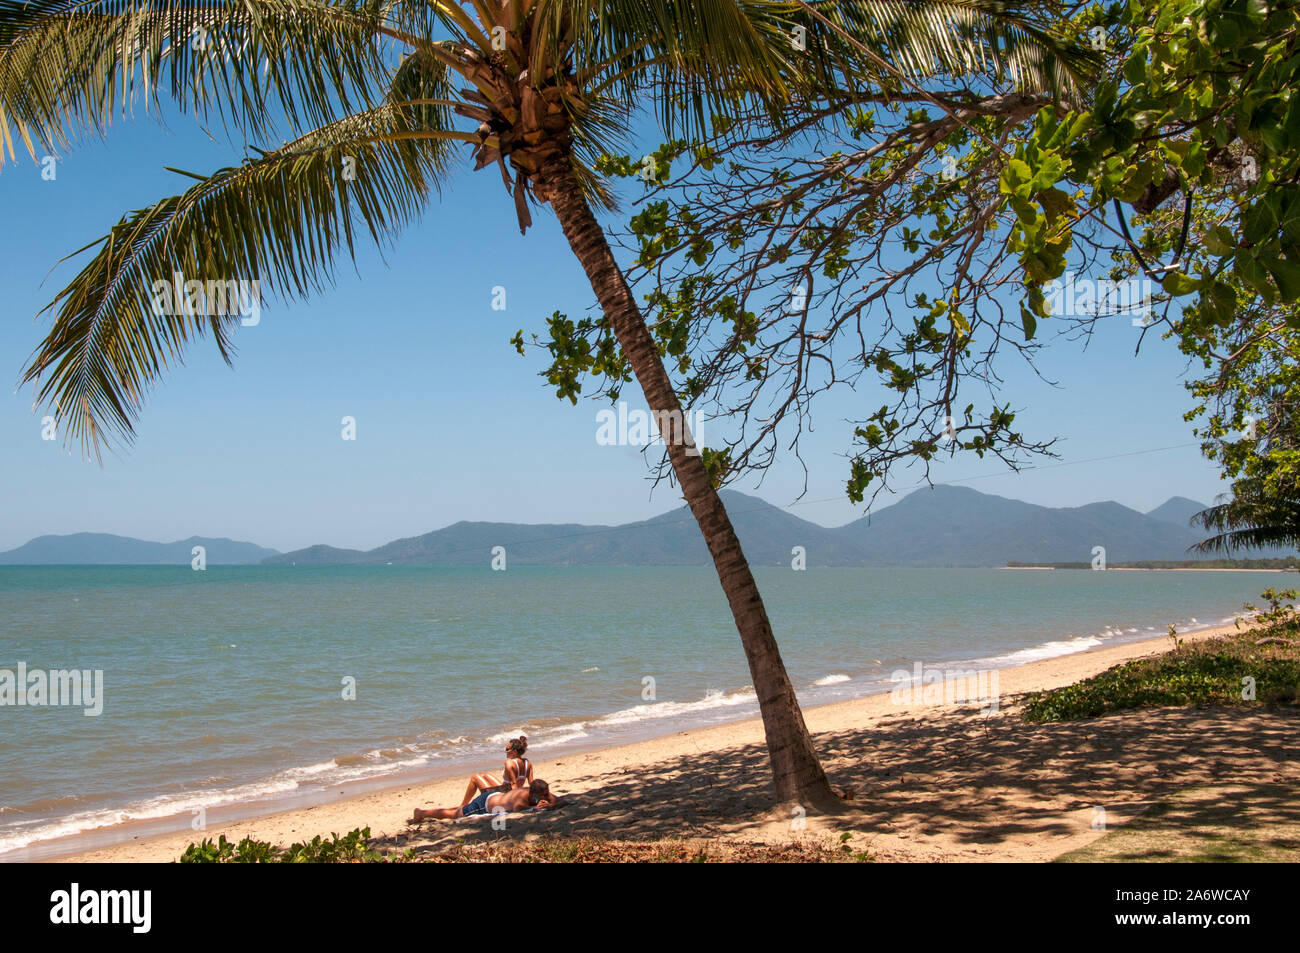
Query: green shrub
350	848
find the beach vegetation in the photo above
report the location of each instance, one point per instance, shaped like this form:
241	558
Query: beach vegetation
1256	666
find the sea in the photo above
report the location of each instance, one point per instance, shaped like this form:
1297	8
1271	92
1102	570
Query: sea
248	689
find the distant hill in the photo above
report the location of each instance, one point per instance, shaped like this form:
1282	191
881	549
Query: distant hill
103	549
958	526
1178	510
319	555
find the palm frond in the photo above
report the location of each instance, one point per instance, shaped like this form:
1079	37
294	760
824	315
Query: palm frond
445	19
691	59
1000	39
570	76
275	222
1250	520
67	67
695	59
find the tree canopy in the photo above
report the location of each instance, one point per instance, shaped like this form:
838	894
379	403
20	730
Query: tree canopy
919	234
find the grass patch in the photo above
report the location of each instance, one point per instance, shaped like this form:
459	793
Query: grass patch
1216	824
1231	670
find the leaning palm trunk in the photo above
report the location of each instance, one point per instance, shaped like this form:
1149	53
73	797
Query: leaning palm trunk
796	771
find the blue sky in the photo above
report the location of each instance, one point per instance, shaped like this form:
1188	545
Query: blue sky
451	422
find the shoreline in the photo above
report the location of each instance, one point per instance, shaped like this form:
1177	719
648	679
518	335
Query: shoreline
386	805
264	795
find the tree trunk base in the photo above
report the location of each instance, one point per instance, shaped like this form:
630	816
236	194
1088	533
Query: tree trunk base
827	803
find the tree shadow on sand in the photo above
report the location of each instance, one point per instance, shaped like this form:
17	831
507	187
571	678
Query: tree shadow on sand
956	784
1209	824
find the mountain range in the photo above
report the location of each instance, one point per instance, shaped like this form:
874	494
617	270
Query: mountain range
941	526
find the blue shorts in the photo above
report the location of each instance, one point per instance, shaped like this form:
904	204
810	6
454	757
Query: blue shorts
478	805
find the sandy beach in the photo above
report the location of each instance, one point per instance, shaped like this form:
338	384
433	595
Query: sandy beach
930	782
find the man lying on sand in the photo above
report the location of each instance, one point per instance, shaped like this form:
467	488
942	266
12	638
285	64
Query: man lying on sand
536	796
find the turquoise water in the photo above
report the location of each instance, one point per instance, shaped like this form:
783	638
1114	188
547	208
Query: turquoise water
228	684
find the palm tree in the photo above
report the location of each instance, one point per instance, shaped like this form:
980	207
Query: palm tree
1251	519
548	86
1264	508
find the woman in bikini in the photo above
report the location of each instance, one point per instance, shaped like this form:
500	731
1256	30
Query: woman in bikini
517	773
